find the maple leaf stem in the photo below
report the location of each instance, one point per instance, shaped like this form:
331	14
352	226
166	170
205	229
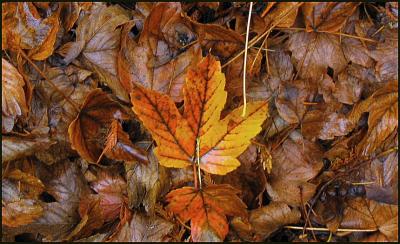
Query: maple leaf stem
47	79
245	60
198	160
195	176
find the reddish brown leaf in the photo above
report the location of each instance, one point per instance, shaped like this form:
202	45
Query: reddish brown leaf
386	54
118	146
206	208
92	124
111	188
160	66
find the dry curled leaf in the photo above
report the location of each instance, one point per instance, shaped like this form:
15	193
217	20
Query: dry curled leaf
93	123
13	95
204	98
206	209
119	147
23	28
382	107
146	183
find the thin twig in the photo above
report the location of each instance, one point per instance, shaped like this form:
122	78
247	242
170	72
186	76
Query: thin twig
258	38
333	33
327	230
245	60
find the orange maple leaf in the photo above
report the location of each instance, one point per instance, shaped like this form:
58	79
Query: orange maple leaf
221	141
207	209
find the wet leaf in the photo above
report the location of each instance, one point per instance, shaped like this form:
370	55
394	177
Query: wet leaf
206	209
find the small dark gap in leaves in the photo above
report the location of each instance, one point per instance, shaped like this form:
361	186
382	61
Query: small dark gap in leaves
47	197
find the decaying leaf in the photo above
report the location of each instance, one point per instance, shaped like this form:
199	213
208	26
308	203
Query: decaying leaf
18	147
13	95
384	176
111	189
146	183
206	209
22	27
18	210
160	66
